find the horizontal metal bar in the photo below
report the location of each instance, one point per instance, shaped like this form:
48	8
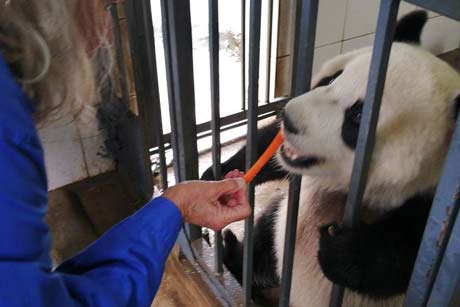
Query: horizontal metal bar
240	117
304	44
449	8
222	129
439	226
386	25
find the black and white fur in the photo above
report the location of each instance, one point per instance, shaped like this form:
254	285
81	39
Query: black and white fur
373	261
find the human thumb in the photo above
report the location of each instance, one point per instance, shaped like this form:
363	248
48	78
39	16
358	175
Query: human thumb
229	185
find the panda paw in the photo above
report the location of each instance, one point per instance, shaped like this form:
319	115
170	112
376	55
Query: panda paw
340	254
208	175
233	255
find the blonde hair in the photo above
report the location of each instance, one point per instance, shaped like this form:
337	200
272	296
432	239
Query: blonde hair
42	42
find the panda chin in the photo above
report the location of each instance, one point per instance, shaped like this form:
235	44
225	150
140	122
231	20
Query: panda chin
292	160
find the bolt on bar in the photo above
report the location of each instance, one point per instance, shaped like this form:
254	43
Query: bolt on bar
243	55
386	25
439	226
213	6
251	145
269	50
304	44
179	66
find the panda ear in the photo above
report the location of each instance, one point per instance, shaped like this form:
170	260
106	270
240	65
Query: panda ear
409	27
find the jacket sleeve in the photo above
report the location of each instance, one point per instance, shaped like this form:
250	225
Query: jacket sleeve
123	268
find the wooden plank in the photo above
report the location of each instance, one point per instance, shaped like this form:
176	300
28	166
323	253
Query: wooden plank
182	286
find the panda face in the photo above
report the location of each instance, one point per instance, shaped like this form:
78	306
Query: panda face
321	126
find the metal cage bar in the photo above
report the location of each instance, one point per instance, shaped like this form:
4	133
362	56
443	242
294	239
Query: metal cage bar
386	25
119	53
444	286
439	226
243	55
449	8
436	277
156	107
304	43
143	54
215	116
251	153
179	67
269	50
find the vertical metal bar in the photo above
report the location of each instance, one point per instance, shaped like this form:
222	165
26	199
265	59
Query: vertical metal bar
215	116
251	153
386	25
113	8
158	122
169	77
143	54
179	66
243	55
269	50
455	302
439	226
304	43
449	271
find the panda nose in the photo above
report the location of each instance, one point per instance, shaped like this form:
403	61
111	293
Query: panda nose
289	125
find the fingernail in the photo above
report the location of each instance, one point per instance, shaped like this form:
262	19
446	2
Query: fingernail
241	182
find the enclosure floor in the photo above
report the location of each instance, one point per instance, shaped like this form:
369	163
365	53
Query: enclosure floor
182	286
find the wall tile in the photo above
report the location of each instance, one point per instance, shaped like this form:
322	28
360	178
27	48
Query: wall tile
322	54
441	34
361	17
357	43
63	153
331	18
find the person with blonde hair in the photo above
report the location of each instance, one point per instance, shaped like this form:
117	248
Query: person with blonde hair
45	66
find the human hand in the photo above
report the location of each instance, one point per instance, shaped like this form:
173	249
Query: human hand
212	204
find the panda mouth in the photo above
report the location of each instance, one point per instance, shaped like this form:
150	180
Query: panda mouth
292	158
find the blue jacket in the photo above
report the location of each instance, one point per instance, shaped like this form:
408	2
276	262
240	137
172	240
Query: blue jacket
123	268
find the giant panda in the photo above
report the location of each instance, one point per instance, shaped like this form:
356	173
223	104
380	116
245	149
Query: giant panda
373	261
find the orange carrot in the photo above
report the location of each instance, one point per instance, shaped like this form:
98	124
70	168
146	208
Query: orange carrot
260	163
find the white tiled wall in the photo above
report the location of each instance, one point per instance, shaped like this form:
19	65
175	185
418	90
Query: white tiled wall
345	25
73	150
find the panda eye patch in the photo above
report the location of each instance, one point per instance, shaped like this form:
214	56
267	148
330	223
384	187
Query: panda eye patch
353	114
351	121
328	80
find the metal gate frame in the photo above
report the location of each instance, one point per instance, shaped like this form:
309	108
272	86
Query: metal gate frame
438	260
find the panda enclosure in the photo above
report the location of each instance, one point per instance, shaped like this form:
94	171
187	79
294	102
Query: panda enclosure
110	153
